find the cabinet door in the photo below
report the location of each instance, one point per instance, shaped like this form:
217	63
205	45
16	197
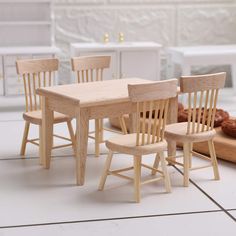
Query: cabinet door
110	73
141	64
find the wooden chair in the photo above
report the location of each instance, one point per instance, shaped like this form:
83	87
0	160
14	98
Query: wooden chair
202	93
38	73
146	97
90	69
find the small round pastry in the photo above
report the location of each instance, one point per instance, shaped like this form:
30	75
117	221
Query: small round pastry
183	115
220	117
180	106
229	127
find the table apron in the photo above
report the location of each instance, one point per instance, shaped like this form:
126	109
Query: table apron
96	111
64	107
111	110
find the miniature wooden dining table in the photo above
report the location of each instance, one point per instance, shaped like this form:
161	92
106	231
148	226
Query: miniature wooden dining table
87	101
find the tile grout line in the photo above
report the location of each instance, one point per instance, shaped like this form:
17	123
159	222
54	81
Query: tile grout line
109	219
36	157
208	196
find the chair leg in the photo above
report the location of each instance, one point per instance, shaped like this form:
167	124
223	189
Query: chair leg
105	170
165	173
156	163
40	145
186	164
97	137
137	177
171	150
100	130
190	154
213	159
24	140
122	125
72	135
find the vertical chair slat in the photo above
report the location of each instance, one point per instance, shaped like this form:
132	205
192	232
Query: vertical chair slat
82	74
214	108
199	111
34	91
205	111
97	75
39	80
39	84
26	94
101	75
194	111
149	121
50	78
166	107
143	122
160	120
30	93
44	79
210	109
91	75
154	129
189	112
87	76
138	124
78	77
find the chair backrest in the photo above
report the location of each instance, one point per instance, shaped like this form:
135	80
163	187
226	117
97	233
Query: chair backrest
152	97
202	99
90	68
36	73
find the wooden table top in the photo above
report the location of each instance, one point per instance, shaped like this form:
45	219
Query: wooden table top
93	93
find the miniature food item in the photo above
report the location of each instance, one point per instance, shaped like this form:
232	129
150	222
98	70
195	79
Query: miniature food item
220	116
229	127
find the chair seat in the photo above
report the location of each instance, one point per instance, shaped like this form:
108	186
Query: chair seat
35	117
178	132
127	144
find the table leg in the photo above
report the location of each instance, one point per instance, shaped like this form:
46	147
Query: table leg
132	122
172	118
47	134
82	127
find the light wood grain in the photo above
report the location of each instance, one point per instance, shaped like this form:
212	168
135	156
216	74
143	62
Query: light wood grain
37	73
202	93
111	100
90	69
148	138
189	84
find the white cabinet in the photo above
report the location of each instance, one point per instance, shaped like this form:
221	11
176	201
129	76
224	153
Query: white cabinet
26	31
10	84
128	59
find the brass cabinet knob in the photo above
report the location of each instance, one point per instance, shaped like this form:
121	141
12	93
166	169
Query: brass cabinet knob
106	38
121	37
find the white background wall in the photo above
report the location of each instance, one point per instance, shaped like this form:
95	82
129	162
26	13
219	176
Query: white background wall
169	22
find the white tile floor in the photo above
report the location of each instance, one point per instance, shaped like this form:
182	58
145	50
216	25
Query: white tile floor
34	201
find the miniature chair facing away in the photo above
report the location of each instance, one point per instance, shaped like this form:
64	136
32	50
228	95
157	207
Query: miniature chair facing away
145	97
202	99
38	73
90	69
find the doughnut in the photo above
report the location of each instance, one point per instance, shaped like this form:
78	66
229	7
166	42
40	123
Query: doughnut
220	116
229	127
